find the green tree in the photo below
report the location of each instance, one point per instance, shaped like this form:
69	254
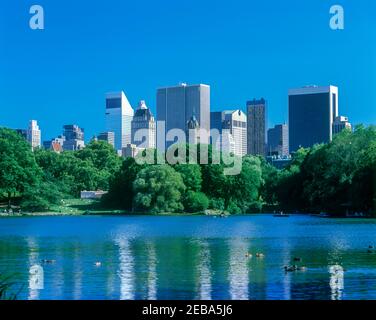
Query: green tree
191	174
195	202
158	189
103	157
41	197
245	186
121	192
270	177
18	168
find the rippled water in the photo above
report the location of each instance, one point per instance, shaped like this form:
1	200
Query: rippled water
190	257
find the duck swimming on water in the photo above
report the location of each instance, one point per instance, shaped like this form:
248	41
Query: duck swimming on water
294	268
48	261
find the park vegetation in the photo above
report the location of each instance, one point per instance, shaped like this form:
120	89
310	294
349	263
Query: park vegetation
337	178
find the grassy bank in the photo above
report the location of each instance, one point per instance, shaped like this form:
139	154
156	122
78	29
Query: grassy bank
69	207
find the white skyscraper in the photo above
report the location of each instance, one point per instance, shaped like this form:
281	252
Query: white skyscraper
119	116
232	126
235	122
33	134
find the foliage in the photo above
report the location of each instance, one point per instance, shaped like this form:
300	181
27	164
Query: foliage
217	204
121	192
89	169
191	174
41	197
339	178
18	169
195	202
158	189
7	285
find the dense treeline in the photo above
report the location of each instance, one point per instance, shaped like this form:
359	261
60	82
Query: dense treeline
337	178
161	188
43	178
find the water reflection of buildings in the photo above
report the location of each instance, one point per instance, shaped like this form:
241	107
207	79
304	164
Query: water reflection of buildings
34	269
337	283
286	256
238	270
152	272
77	273
126	269
204	273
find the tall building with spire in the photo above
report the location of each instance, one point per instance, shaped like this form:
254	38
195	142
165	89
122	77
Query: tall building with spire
119	116
143	127
175	108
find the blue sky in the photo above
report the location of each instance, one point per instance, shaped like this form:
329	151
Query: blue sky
243	49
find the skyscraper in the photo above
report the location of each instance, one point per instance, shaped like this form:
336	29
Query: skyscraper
119	115
340	123
33	134
74	138
177	105
278	140
143	126
312	111
108	136
256	127
232	125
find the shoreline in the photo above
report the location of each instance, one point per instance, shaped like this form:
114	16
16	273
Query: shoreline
128	214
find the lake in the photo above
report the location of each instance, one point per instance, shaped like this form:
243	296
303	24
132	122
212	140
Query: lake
189	257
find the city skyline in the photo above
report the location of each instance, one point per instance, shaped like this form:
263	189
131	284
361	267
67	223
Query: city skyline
70	65
313	114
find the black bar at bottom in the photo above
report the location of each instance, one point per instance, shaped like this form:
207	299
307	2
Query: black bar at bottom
183	309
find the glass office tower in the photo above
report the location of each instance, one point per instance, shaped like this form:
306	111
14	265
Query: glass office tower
175	108
312	111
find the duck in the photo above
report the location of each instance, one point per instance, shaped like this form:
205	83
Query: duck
260	255
290	268
294	268
296	259
248	255
98	264
46	261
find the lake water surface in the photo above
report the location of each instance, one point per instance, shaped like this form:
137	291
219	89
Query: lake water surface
148	257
